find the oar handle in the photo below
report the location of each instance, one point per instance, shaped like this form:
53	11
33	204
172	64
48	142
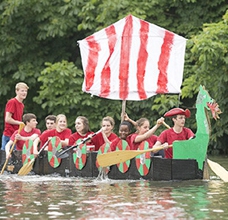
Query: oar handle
162	147
45	145
166	125
82	142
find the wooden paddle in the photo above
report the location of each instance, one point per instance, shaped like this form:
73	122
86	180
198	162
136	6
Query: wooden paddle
120	156
206	174
25	169
63	153
21	126
218	170
166	125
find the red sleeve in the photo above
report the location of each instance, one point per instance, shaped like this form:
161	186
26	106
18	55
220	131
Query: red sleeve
44	136
152	140
16	109
114	144
133	145
112	136
163	137
10	106
37	131
12	138
73	138
97	140
190	133
128	139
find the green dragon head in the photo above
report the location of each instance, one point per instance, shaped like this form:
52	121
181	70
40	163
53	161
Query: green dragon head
209	103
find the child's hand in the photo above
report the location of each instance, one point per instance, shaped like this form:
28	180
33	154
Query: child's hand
165	146
160	121
126	118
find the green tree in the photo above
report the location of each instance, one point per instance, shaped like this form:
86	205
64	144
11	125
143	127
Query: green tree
207	64
38	45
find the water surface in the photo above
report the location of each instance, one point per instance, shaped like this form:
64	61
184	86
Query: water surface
55	197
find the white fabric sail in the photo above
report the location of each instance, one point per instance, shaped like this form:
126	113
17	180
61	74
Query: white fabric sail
132	60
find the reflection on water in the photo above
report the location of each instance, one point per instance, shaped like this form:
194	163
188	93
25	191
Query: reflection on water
53	197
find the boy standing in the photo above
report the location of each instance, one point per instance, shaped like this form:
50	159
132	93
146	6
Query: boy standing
13	112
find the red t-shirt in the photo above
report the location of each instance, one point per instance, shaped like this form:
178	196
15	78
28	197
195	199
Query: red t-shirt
114	143
16	108
134	146
76	136
20	143
170	136
98	140
53	133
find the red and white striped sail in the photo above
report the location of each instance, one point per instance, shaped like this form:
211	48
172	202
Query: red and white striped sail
132	60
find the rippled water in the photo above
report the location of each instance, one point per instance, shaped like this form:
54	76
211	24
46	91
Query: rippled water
54	197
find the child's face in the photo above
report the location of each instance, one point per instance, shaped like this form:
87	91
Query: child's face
124	131
144	127
107	127
79	125
22	93
50	124
179	120
62	123
32	123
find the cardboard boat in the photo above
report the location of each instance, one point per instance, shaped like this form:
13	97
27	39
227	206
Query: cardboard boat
160	169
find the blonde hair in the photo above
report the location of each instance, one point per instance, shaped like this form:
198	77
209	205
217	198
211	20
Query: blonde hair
21	85
109	119
59	116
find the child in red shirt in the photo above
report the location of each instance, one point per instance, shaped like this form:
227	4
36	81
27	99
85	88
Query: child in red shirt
29	132
107	135
13	112
60	131
177	132
82	131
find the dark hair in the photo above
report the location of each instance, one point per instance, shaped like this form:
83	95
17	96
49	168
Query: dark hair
27	117
85	122
51	117
129	125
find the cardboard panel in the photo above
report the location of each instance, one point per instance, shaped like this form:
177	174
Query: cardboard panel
161	168
184	169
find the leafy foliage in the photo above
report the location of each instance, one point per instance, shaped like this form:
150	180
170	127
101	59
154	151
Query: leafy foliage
38	45
208	61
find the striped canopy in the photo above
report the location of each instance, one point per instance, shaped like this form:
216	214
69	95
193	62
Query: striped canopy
132	60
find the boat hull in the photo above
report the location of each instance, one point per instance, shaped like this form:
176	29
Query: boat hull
160	169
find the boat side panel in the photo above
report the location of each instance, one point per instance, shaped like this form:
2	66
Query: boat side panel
44	168
86	171
184	169
160	169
